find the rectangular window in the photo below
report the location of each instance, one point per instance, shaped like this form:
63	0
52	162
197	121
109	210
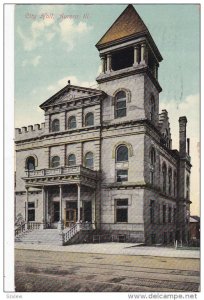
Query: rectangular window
122	175
169	215
153	238
31	211
121	108
121	210
164	213
152	206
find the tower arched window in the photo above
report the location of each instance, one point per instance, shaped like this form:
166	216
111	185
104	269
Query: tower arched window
55	125
72	122
152	156
164	175
55	162
170	180
152	107
71	160
120	104
89	119
121	153
30	163
89	161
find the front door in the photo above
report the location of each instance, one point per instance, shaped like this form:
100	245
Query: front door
70	217
56	211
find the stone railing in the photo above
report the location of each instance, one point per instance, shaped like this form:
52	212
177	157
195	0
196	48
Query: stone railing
34	225
20	229
69	233
76	170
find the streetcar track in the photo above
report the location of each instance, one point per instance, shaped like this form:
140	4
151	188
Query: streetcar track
117	265
112	283
111	275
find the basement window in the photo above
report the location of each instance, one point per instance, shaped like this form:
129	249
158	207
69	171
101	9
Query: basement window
122	59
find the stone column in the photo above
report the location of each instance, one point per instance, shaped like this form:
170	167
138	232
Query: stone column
26	209
136	55
94	209
143	53
42	225
103	64
60	223
78	201
108	62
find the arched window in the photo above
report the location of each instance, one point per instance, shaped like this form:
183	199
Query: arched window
71	160
55	125
89	119
72	122
121	153
164	171
170	180
120	104
89	162
152	107
55	162
30	163
152	156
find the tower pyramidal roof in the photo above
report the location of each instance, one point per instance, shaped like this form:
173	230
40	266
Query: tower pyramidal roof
127	24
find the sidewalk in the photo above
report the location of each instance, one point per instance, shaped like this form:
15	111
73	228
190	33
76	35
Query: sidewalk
115	248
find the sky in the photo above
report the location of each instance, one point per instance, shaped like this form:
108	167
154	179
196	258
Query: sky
54	43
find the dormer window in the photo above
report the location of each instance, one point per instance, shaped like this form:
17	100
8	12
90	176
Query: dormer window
120	104
55	125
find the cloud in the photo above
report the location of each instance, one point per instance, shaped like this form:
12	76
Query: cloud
69	31
34	62
45	29
74	81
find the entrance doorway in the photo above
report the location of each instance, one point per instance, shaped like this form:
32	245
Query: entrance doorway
70	213
70	217
56	213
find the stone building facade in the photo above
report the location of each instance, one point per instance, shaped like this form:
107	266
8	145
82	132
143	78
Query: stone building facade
105	155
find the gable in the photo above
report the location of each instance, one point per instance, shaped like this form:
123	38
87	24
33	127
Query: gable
70	93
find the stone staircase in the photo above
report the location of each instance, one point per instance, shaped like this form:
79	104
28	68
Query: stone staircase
40	236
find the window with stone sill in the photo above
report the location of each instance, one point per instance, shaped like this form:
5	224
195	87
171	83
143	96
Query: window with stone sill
71	160
55	162
30	163
89	119
121	209
121	153
89	161
31	211
72	122
55	125
121	175
120	104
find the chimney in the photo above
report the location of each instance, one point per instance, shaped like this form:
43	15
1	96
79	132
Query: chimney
69	82
182	136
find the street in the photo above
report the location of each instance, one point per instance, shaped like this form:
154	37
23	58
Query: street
49	271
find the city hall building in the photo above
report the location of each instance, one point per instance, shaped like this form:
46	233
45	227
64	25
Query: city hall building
103	157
